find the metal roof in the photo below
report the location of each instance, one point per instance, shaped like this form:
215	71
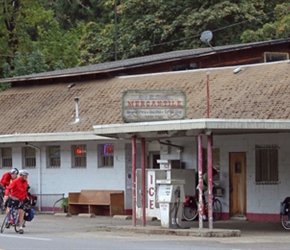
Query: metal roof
139	61
166	129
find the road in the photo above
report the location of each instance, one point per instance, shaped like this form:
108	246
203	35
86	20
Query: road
50	232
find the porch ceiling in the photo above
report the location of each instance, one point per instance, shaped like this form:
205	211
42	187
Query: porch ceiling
179	128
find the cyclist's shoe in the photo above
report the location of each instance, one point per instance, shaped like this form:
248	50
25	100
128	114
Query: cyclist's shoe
7	225
21	231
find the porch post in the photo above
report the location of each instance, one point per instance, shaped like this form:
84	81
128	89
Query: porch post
143	166
209	175
134	181
200	181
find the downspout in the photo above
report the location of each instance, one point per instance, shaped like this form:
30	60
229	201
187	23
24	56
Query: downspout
39	174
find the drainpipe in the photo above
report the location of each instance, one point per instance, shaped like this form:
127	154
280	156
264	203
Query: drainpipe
39	174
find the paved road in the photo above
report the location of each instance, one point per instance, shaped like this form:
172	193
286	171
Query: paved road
53	232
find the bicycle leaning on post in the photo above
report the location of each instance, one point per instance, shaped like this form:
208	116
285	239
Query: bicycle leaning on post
190	208
285	213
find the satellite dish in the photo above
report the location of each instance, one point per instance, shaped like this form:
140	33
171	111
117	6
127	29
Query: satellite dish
206	36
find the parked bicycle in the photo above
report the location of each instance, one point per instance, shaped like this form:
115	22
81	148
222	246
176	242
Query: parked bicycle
190	208
285	213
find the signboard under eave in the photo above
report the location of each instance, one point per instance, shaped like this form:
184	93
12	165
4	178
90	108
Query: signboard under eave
153	105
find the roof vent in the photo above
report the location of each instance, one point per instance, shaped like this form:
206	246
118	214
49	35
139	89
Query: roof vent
237	70
77	118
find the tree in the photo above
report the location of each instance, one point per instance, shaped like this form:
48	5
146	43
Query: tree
278	27
29	30
154	26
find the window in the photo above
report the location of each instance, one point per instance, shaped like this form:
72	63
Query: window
29	155
266	164
6	157
106	155
53	157
79	153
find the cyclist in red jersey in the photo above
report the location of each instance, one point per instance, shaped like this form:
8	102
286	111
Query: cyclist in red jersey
18	189
8	177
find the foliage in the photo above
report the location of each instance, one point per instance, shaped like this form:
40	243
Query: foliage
64	204
40	35
154	26
279	27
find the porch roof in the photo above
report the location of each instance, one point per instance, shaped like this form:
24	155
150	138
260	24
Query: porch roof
165	129
50	137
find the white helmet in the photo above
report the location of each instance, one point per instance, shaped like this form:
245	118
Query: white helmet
14	171
23	172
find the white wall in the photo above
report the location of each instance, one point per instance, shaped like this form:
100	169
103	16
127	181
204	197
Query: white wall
260	198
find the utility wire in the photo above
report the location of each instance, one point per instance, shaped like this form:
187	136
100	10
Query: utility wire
153	45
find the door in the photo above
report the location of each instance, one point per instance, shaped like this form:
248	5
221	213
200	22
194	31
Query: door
238	197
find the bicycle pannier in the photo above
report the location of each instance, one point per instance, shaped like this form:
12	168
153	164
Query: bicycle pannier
13	201
284	207
29	214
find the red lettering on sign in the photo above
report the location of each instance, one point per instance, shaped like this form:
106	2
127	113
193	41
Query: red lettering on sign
151	204
151	179
151	191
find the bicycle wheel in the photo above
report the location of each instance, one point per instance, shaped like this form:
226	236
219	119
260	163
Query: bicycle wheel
190	212
285	221
5	222
216	209
16	222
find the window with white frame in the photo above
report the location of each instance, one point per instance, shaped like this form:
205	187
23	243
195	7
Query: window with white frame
106	155
29	157
267	164
53	157
6	157
79	156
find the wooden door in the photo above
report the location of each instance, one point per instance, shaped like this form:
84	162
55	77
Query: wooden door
238	198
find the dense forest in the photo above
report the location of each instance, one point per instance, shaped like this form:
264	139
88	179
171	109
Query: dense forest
41	35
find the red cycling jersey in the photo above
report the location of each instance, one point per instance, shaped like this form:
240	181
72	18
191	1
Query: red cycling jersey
18	189
5	180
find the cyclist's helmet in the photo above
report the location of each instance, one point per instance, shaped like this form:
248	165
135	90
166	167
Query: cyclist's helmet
14	171
23	173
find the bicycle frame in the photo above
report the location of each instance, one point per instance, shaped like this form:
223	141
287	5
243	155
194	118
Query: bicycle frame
11	219
190	208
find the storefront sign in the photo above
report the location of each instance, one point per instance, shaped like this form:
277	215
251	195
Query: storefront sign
153	105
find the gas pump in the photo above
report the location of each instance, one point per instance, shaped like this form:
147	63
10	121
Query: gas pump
170	196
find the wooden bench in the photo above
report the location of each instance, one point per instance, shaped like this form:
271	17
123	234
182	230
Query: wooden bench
96	202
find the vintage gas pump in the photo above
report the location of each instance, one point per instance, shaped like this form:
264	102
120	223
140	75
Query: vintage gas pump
170	196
